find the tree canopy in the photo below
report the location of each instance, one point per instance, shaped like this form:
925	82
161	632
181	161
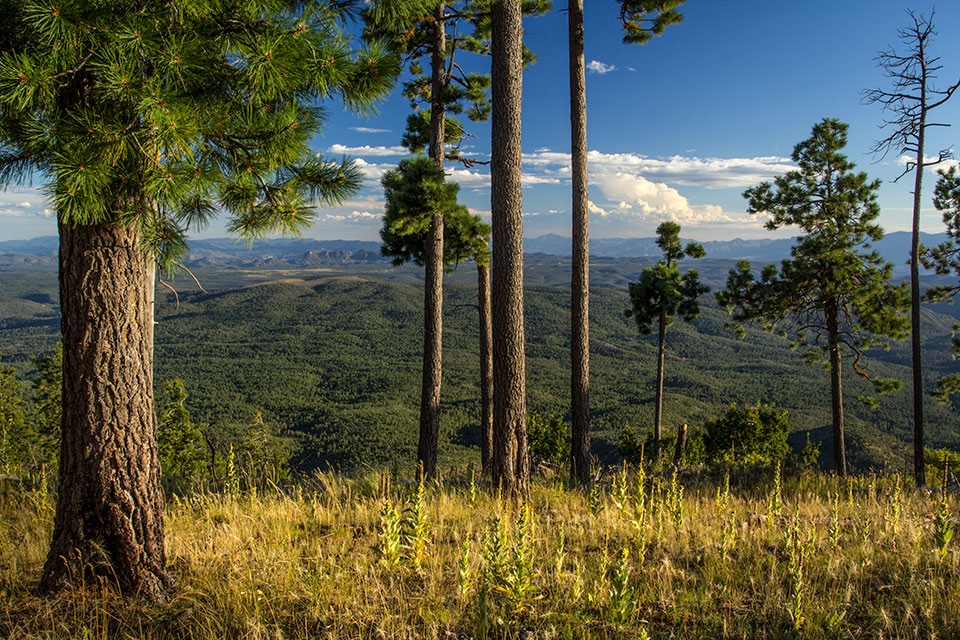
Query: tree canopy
167	112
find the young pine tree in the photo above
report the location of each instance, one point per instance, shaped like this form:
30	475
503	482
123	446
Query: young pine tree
142	119
834	293
416	192
661	293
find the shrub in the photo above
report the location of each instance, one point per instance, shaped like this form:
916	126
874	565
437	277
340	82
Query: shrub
631	451
548	438
748	434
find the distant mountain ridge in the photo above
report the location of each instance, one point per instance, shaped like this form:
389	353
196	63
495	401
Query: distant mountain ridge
228	253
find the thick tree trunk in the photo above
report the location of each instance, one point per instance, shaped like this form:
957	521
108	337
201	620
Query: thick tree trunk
486	367
109	518
836	393
580	278
433	277
919	468
658	400
511	465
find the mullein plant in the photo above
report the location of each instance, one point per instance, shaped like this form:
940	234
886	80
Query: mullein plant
416	529
799	545
775	499
835	520
621	604
675	501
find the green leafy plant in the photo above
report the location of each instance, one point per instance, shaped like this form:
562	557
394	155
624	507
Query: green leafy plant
750	434
548	438
621	603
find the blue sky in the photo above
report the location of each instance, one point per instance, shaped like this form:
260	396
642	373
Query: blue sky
677	129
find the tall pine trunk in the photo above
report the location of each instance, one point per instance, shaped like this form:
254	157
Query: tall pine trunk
919	468
658	400
486	367
511	465
836	391
433	276
109	517
580	277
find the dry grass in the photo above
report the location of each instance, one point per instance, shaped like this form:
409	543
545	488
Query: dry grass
839	560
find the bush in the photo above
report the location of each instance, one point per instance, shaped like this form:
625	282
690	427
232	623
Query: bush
547	436
630	447
750	434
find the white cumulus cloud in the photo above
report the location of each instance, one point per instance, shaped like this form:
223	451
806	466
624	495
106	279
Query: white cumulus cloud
638	197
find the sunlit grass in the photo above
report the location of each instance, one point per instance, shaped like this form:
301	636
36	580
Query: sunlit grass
857	559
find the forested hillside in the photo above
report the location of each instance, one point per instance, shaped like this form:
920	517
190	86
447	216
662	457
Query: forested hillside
334	356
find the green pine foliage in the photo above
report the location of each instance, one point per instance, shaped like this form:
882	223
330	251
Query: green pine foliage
181	442
164	113
663	289
945	260
833	270
415	191
642	20
406	29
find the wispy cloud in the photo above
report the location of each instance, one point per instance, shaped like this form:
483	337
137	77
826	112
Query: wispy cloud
690	171
595	66
369	130
367	150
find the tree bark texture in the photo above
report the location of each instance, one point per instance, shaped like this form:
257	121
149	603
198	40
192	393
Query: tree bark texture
836	393
658	400
486	367
580	277
432	349
919	468
511	465
109	517
433	276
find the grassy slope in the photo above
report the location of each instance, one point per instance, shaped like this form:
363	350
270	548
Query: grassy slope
843	561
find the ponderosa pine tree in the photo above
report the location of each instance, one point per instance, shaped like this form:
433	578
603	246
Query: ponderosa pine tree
641	20
909	101
416	192
511	457
662	292
834	293
436	31
580	261
143	119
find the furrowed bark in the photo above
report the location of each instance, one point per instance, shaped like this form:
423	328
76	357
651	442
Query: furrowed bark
109	516
433	276
580	277
836	393
511	466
